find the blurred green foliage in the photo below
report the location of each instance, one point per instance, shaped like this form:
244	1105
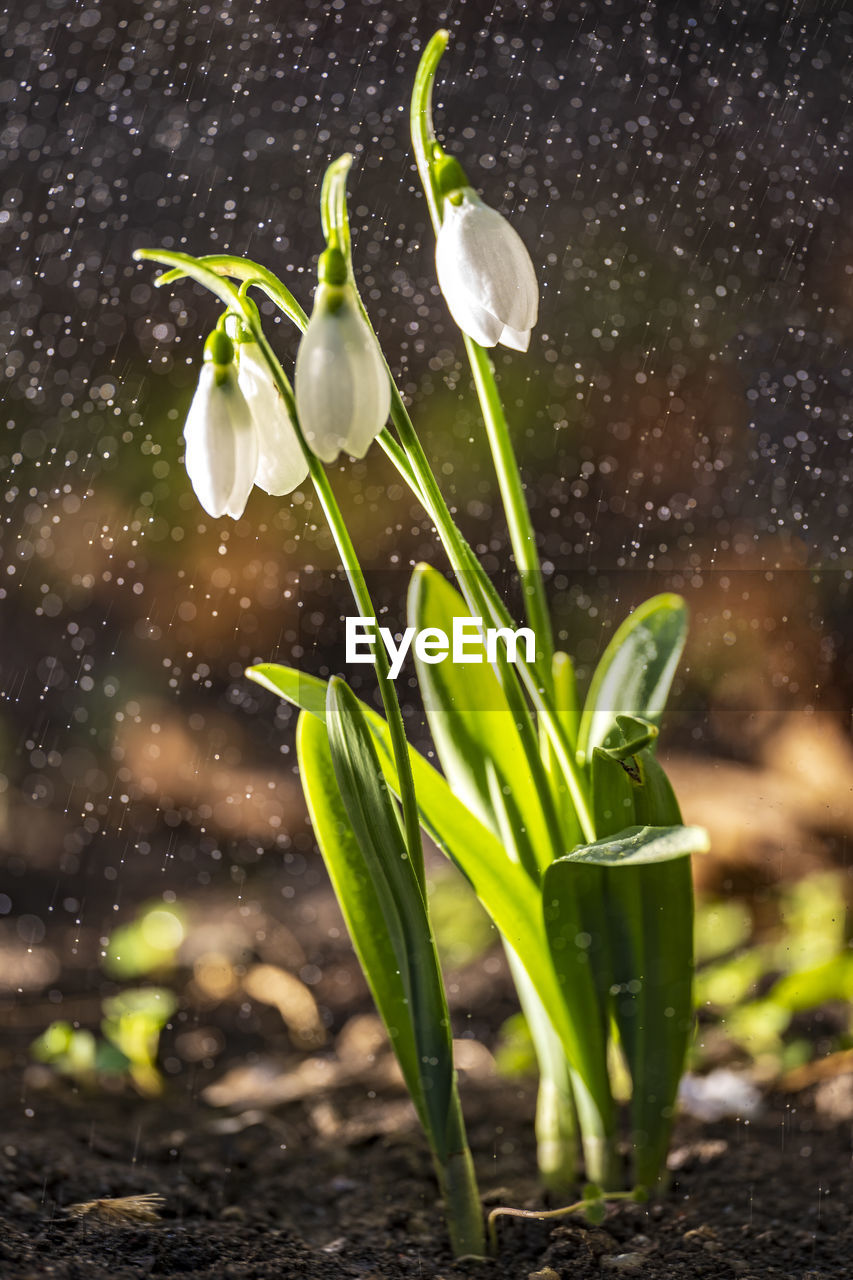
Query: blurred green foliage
132	1023
146	944
132	1020
131	1027
754	990
751	990
515	1054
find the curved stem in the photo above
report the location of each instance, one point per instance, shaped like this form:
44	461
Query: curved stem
420	119
336	226
333	207
224	264
486	600
521	532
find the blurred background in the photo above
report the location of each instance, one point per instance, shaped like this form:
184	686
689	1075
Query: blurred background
680	173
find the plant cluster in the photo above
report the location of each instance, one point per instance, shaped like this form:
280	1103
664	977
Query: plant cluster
557	812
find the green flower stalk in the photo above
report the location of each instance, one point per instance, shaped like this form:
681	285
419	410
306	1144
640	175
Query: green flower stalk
491	289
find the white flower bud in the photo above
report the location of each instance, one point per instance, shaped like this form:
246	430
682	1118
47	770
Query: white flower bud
220	434
485	273
282	465
343	393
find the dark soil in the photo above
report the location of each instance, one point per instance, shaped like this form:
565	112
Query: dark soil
340	1187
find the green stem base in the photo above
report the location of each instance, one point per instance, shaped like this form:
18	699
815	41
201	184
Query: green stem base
556	1137
458	1186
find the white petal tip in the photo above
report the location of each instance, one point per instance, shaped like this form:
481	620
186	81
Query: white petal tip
516	339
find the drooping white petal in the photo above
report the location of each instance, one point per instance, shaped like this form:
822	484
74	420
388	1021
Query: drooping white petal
482	263
282	466
468	312
518	339
245	468
221	443
343	393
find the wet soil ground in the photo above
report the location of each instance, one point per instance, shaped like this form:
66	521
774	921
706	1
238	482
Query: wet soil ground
340	1186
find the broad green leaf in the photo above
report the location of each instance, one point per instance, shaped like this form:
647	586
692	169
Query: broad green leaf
509	823
474	730
635	671
613	788
641	846
366	798
358	896
307	692
653	945
501	884
651	911
638	919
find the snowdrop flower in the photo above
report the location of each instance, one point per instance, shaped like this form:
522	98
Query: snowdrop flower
282	465
221	435
342	388
484	269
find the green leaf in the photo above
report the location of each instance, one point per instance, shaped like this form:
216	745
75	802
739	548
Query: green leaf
635	672
640	846
307	692
475	733
629	898
501	884
375	823
613	787
651	924
359	897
